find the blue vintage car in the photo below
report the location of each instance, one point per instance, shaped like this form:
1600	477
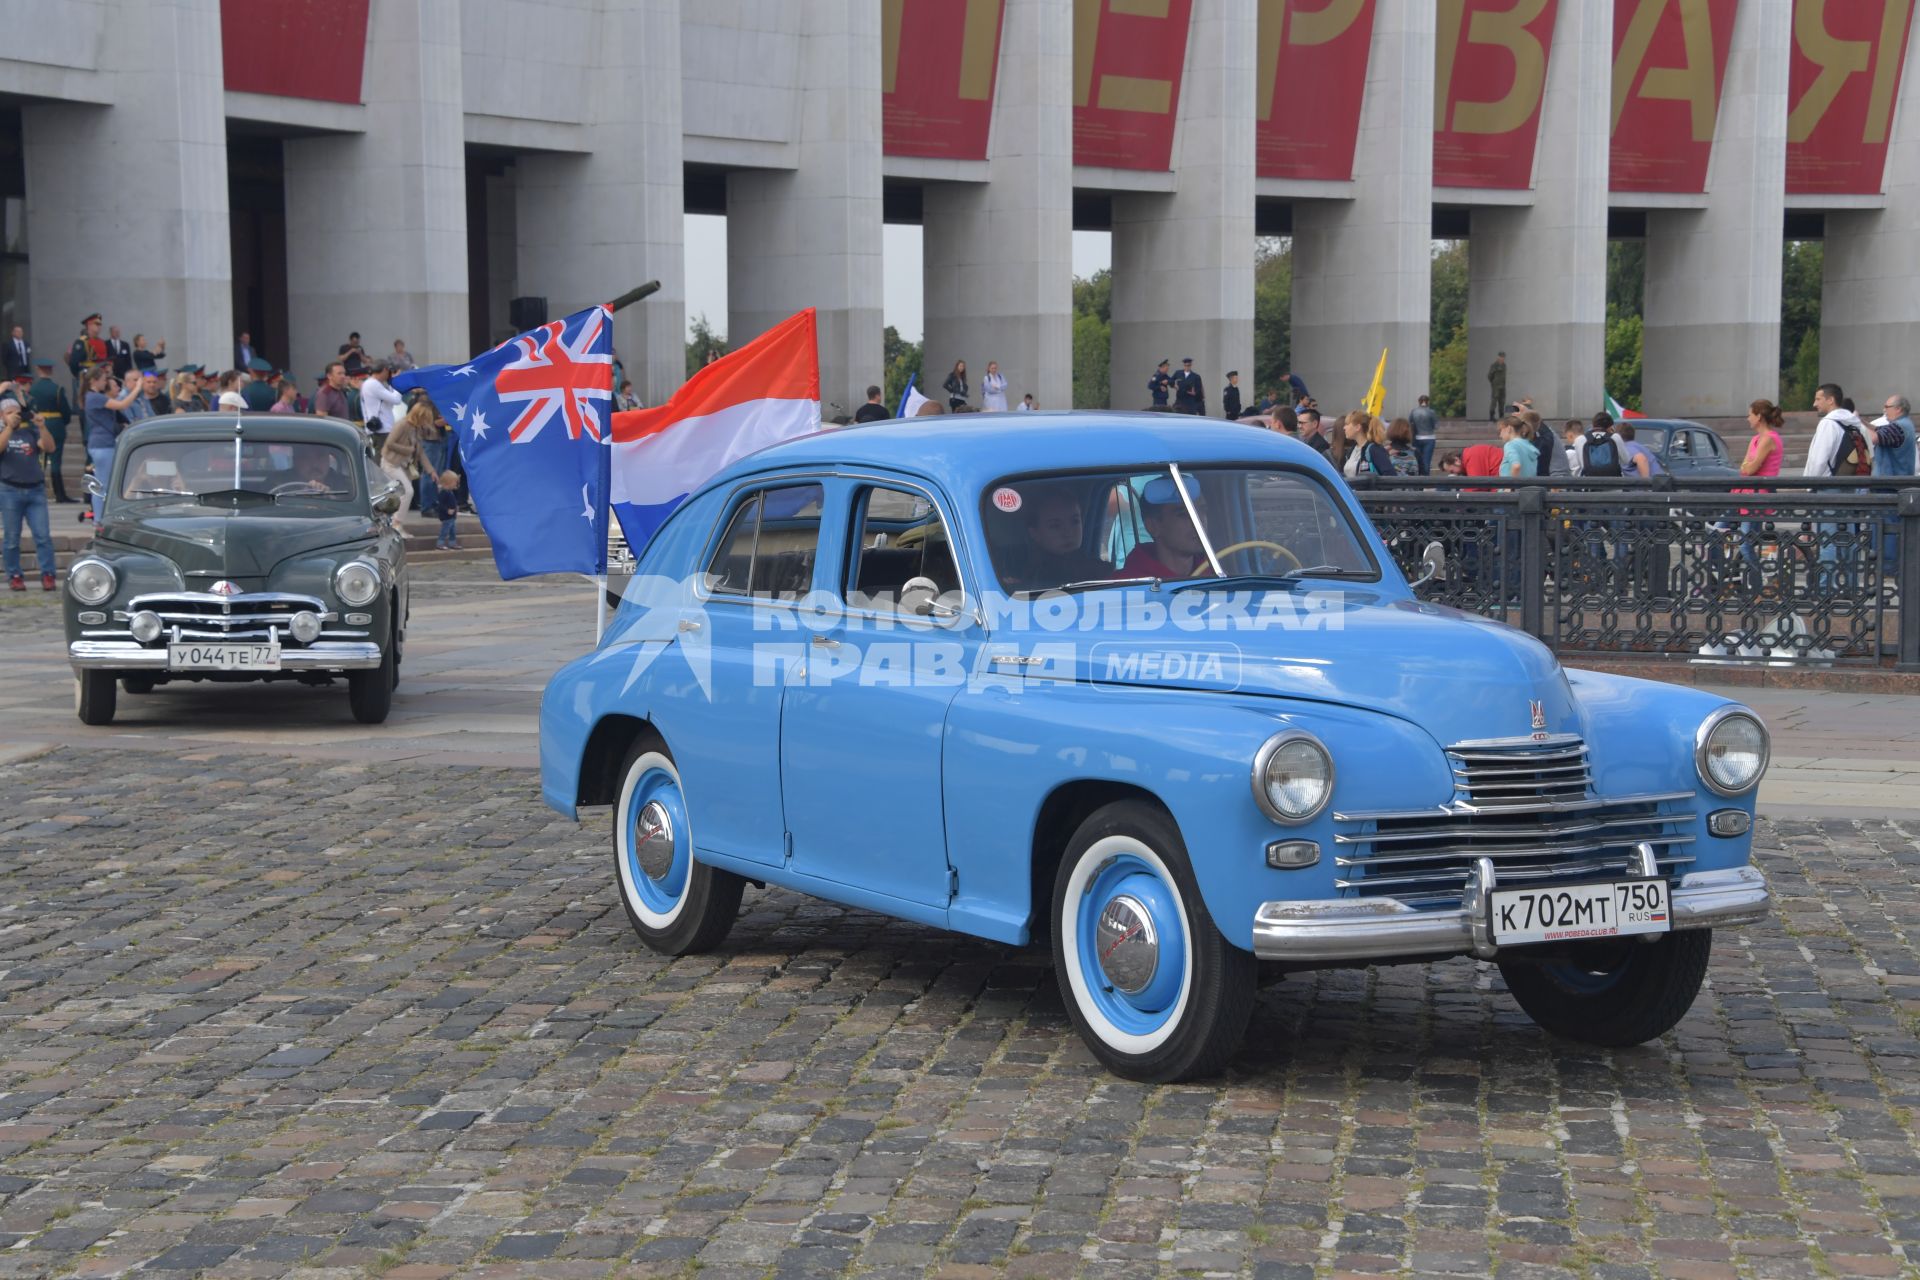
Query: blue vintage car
1153	690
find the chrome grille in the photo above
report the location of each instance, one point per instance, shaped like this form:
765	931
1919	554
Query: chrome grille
249	616
1423	857
1515	771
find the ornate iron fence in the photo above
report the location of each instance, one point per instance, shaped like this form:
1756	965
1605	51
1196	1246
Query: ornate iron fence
1813	572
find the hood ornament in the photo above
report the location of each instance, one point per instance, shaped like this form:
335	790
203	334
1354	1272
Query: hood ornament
225	588
1539	713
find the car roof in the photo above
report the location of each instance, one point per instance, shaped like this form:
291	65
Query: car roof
288	427
965	451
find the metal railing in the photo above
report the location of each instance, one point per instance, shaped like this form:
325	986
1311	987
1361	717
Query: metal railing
1783	571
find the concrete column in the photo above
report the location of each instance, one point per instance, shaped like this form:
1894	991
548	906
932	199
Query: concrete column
1183	263
810	236
1363	268
593	226
1713	274
1538	274
127	204
503	255
377	221
999	255
1869	317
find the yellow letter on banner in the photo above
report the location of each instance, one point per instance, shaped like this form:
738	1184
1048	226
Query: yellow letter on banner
890	14
1310	27
1116	93
1886	64
1837	59
1508	30
1692	83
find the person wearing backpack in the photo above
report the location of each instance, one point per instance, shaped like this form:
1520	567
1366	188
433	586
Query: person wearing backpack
1600	450
1366	446
1839	448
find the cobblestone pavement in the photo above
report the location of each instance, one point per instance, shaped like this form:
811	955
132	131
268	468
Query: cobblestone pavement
267	1016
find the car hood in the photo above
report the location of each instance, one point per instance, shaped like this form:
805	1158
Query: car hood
205	542
1456	675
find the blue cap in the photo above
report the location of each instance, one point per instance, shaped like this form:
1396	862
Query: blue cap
1160	491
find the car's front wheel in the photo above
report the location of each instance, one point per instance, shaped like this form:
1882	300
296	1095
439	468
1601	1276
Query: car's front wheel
1614	992
1152	987
94	695
370	690
677	905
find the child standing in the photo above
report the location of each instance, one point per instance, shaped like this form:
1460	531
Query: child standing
446	505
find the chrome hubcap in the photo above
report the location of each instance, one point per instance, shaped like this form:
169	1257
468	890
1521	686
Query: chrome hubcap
653	840
1129	947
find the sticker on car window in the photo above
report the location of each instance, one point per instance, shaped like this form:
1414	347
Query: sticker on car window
1006	498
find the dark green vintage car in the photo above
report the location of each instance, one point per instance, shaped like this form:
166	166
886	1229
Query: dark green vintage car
241	547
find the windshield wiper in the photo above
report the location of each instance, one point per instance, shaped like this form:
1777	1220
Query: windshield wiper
1291	578
314	493
167	493
1094	583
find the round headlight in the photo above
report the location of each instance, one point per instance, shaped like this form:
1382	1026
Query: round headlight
91	581
357	582
305	626
1730	751
1292	776
145	626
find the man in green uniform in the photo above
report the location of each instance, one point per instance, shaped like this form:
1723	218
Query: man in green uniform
48	401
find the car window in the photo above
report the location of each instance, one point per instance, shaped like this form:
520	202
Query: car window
169	470
1682	444
769	545
1052	531
1707	444
898	536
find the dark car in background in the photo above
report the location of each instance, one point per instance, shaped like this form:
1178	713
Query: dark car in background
251	548
1686	449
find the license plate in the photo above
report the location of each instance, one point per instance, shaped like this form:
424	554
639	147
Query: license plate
223	657
1568	913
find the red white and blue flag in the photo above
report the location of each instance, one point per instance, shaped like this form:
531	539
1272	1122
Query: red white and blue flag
534	418
766	392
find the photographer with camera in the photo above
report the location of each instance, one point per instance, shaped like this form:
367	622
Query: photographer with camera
23	491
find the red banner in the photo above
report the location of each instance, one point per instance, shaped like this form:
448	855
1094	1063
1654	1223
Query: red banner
1841	86
939	61
1488	84
1127	58
1313	73
294	48
1669	63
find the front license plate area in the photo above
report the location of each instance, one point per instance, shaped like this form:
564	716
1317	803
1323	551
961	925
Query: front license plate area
1575	912
191	656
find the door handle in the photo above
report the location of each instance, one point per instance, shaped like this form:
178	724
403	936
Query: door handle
688	624
825	642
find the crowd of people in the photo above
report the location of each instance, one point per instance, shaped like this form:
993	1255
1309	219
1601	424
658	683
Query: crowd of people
114	383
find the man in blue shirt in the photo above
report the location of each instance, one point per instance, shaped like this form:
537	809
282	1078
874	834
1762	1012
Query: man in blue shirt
1160	384
1893	439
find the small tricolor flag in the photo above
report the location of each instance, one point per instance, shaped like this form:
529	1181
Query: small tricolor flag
1620	412
766	392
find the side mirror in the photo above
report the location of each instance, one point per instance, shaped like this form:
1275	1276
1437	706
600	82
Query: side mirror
95	486
387	500
1433	563
921	597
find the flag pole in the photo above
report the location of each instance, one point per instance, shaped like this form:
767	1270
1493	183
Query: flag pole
626	299
634	295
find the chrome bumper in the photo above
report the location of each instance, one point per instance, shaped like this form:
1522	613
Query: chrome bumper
1378	928
124	655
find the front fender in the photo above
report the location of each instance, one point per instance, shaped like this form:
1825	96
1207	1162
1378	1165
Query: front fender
1008	749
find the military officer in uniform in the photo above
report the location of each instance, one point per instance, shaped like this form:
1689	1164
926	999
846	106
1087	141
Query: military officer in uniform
1230	396
1160	384
1189	393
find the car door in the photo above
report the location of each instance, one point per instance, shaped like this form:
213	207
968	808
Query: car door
727	741
861	730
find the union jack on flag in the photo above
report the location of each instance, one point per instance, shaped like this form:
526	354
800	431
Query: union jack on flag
541	494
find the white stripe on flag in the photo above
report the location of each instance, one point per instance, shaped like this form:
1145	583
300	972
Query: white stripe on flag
687	454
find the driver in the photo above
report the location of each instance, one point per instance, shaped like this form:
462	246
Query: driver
313	467
1176	552
1056	552
154	475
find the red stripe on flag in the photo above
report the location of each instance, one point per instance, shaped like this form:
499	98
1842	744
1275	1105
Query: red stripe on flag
781	364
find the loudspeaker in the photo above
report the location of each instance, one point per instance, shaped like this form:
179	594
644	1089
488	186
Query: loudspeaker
526	313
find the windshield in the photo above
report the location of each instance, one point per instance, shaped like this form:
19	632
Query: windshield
1049	532
179	469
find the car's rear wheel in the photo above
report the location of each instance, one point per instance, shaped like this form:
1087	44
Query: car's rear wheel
677	905
1152	987
94	695
1614	992
370	690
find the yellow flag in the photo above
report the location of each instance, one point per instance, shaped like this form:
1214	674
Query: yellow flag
1377	393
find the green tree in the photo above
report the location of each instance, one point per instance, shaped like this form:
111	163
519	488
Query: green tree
1447	376
1627	276
1625	343
1272	316
1447	335
705	339
902	362
1798	380
1802	271
1093	341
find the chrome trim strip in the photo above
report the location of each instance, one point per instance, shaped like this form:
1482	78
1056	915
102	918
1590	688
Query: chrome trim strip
1463	809
1564	849
1383	928
111	655
1504	745
1445	879
1466	830
245	597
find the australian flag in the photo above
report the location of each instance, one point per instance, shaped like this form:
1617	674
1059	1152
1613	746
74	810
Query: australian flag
534	419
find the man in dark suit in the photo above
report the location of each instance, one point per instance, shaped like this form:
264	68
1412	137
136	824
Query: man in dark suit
120	351
243	352
19	353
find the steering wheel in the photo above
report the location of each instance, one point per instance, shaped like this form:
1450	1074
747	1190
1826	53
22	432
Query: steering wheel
295	486
1259	542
